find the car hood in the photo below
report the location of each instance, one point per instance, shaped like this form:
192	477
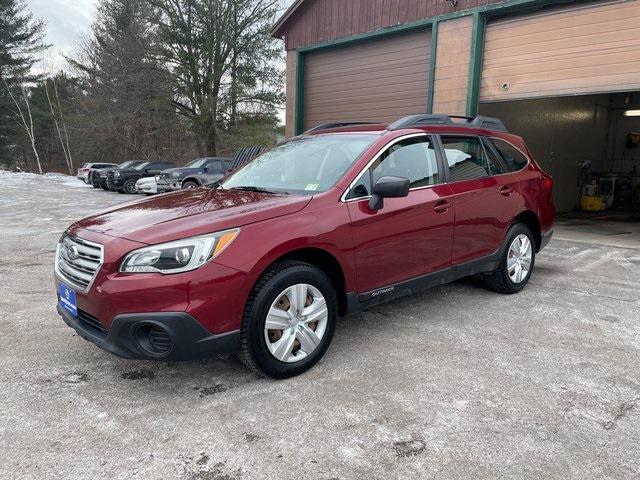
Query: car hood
188	213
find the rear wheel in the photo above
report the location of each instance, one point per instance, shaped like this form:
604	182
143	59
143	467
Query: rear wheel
129	186
289	320
517	262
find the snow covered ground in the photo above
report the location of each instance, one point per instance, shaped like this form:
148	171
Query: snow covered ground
39	205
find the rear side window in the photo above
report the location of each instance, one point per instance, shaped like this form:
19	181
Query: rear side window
414	158
468	159
512	157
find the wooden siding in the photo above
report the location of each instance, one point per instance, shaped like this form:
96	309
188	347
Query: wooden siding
452	66
319	21
379	80
579	50
290	119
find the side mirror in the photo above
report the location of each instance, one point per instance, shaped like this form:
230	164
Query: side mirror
388	187
205	169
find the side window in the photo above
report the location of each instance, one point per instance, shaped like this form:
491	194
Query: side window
214	166
511	156
414	158
468	159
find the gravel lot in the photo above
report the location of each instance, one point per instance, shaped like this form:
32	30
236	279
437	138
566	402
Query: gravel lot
457	382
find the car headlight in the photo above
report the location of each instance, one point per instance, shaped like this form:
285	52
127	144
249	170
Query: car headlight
116	174
175	174
178	256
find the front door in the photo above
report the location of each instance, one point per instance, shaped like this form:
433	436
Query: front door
409	236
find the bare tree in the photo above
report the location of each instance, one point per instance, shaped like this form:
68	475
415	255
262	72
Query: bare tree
222	62
26	125
67	155
64	126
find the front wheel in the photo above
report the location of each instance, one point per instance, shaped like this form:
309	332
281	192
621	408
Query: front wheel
189	184
289	320
518	259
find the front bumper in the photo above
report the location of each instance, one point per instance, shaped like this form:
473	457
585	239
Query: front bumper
167	185
146	188
173	336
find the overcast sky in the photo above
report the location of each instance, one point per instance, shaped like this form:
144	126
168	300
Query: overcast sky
67	21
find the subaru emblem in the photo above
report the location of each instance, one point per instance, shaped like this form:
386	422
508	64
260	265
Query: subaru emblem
72	252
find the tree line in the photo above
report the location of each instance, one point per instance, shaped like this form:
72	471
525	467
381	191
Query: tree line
153	79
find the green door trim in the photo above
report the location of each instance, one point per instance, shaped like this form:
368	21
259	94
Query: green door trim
475	63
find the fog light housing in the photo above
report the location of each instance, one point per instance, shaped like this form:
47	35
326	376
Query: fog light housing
153	339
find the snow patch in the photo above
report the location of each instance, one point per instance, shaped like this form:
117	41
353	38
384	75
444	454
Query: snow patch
20	177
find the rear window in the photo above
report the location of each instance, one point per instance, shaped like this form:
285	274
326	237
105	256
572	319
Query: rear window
513	158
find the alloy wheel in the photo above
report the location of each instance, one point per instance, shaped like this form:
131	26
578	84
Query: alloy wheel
296	323
519	258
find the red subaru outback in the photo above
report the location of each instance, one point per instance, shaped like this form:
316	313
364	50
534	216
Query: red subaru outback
334	221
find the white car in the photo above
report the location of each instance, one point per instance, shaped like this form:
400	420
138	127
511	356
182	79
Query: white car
147	185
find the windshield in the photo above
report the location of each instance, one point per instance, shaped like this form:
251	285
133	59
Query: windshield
197	163
303	165
128	164
141	166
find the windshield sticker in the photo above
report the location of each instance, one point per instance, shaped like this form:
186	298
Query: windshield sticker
312	186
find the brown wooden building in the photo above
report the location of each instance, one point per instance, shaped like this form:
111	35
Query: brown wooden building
561	73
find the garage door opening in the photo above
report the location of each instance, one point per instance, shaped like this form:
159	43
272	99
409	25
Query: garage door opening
590	144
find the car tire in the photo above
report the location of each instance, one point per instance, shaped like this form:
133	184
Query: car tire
189	184
129	187
259	346
516	263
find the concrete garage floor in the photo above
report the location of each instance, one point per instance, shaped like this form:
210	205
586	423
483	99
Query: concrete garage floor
457	382
607	228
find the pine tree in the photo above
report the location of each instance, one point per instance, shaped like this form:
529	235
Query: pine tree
21	40
126	111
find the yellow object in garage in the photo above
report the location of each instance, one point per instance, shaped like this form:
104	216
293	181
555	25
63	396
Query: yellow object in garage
592	203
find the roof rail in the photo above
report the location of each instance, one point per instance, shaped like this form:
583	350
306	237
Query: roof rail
327	126
489	123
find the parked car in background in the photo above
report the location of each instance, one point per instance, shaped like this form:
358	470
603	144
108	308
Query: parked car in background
124	180
99	176
334	221
194	174
86	168
147	185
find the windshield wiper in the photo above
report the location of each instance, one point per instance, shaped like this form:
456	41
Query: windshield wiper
247	188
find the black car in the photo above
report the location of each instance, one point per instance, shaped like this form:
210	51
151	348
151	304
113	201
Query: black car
124	181
195	173
98	178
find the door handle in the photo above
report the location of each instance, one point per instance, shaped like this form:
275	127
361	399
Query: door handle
506	191
442	207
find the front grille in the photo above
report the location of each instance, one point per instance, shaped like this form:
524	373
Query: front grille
78	261
91	322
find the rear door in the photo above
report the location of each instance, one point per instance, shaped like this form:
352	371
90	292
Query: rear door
409	236
483	196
